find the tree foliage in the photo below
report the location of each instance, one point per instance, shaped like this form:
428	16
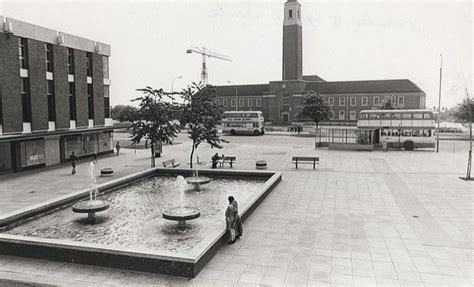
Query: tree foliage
315	108
202	116
123	113
461	111
156	119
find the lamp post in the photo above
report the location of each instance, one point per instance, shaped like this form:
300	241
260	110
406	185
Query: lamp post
172	82
439	102
236	102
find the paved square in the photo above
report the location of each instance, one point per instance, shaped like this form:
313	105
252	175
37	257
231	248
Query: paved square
361	218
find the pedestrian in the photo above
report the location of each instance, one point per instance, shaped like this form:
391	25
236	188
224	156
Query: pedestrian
95	157
238	222
117	147
73	158
233	221
215	158
146	144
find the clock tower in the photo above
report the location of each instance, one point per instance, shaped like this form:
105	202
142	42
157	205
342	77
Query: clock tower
292	68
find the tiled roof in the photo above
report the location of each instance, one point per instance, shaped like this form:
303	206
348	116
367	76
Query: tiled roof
254	90
361	87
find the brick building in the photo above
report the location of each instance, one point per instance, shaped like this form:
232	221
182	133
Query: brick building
54	96
281	101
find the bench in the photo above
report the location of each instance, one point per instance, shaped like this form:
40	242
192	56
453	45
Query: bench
306	159
170	162
229	159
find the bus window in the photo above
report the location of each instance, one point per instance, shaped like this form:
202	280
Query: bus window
395	133
396	116
406	133
363	116
385	116
417	116
384	133
374	116
426	116
407	116
427	133
416	133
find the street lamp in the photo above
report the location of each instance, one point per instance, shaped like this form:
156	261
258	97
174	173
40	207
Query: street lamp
236	102
172	82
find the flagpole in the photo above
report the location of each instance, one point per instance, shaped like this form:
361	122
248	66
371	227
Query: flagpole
439	101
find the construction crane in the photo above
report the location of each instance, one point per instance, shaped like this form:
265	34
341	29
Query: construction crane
206	54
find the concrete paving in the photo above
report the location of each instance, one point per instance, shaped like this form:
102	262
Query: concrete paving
359	219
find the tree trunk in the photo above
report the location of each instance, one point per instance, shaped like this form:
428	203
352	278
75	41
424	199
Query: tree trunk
152	154
191	158
316	136
469	159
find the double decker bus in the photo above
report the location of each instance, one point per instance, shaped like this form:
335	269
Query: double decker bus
243	122
400	128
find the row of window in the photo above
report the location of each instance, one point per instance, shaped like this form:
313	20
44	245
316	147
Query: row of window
25	85
26	101
223	102
23	52
406	116
364	101
405	133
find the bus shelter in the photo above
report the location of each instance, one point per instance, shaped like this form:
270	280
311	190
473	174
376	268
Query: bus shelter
346	138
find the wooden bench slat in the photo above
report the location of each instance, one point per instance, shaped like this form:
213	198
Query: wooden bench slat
306	158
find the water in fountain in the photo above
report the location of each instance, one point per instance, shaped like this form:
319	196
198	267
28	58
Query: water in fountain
93	182
181	185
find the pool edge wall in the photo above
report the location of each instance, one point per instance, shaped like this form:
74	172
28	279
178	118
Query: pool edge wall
13	245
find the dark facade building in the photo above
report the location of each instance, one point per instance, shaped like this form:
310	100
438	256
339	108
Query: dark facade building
54	96
282	101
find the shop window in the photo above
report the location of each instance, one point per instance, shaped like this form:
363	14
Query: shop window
32	153
401	101
224	102
331	101
241	102
249	102
232	103
258	102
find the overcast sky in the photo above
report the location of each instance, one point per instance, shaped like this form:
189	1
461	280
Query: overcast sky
341	41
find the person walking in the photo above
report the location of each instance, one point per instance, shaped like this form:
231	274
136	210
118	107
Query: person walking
117	148
73	158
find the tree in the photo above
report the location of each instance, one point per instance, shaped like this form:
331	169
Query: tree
202	116
464	112
123	113
461	111
316	109
155	119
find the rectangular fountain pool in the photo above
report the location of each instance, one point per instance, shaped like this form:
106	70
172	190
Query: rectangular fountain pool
132	233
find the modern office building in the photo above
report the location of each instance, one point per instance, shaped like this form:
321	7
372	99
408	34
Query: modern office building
54	96
282	101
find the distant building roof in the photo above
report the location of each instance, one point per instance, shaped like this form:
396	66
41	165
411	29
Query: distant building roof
313	78
323	87
361	87
254	90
